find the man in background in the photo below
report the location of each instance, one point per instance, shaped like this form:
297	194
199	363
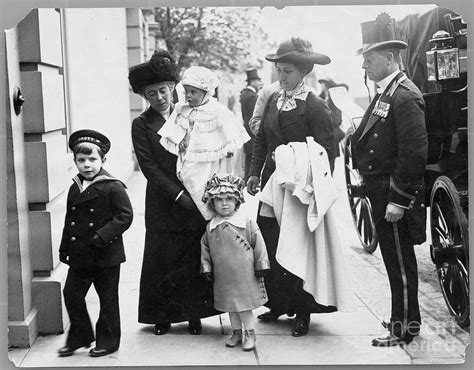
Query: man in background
248	98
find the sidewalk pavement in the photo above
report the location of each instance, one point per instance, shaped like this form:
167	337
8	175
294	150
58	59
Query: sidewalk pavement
335	338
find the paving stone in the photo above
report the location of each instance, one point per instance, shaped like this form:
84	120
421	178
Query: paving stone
326	350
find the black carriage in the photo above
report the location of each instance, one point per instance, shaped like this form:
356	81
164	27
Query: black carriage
436	61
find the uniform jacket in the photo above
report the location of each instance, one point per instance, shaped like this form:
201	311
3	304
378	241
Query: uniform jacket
397	144
248	98
103	208
162	212
311	117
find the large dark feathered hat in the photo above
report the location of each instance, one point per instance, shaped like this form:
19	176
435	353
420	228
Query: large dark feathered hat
160	68
297	50
380	34
89	136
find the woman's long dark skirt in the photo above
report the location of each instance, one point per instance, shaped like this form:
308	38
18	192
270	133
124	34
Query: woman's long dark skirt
171	288
285	290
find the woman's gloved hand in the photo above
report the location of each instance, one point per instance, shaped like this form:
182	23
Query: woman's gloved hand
252	185
186	202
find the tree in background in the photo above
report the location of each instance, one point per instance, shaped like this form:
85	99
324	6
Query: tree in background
225	39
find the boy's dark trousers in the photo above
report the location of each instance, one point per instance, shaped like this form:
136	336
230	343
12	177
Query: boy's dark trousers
78	282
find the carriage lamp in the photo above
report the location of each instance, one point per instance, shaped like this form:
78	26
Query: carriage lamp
442	61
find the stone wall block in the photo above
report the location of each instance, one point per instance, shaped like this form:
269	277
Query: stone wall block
134	37
40	40
134	17
44	94
46	157
40	222
47	299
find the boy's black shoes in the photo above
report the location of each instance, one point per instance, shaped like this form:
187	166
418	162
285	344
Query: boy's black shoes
69	350
99	352
195	327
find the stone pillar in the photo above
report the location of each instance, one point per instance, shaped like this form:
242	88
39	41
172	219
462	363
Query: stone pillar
22	316
45	151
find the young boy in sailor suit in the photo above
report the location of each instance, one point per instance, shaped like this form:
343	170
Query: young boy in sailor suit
98	213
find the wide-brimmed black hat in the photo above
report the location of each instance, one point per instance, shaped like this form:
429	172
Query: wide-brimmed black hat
297	50
89	136
161	67
252	74
380	34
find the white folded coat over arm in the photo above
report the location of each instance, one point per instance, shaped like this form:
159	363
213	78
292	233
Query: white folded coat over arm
300	194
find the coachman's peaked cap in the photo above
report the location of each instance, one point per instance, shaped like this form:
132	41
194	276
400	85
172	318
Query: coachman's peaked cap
89	136
297	50
161	67
380	34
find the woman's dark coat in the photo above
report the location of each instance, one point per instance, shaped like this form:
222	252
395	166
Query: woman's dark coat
310	118
171	288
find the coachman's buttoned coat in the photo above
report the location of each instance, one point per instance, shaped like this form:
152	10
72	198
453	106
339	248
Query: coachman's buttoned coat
389	148
103	208
396	146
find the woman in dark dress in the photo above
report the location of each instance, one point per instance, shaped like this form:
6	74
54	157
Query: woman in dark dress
291	114
171	289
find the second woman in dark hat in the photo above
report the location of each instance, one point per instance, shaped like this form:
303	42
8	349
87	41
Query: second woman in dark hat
291	114
171	289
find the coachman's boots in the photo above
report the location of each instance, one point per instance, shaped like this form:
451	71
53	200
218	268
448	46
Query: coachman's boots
235	339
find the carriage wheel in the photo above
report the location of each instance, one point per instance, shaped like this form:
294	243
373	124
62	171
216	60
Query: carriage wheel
361	209
449	249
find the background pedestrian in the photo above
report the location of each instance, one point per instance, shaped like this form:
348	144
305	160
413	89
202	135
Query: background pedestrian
248	98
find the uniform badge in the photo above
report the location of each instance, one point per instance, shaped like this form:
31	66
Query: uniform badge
381	109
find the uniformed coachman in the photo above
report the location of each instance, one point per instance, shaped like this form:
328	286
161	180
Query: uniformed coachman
389	148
